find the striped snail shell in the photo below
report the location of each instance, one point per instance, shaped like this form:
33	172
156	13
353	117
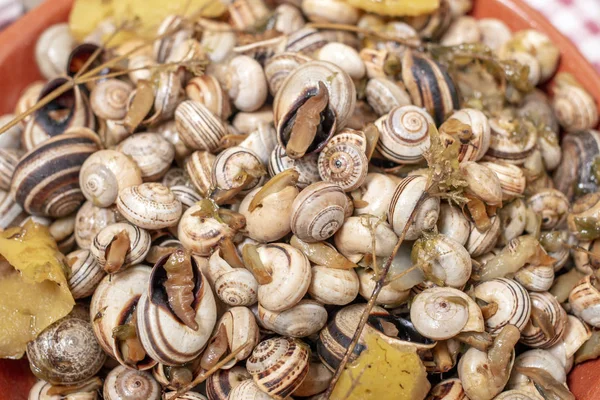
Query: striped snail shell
88	391
279	365
262	142
164	336
536	358
517	394
198	127
9	158
27	99
514	303
176	177
10	210
149	206
66	352
304	319
200	235
45	178
186	195
278	67
584	299
512	178
534	336
318	211
152	153
477	141
449	389
185	396
234	286
552	205
199	168
105	173
330	11
240	328
536	278
306	166
230	163
404	134
123	383
302	84
333	286
109	99
344	163
429	85
453	223
584	210
575	108
575	335
406	197
90	220
307	40
480	243
222	382
248	390
389	295
166	96
86	273
139	243
509	142
207	90
574	176
433	25
164	46
383	95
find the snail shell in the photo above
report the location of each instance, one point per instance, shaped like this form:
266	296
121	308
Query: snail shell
383	95
509	145
575	108
437	316
551	205
584	299
207	90
343	56
262	142
302	84
86	273
165	337
52	50
139	245
240	328
246	83
532	335
463	29
168	130
449	389
482	182
576	333
164	46
512	179
198	127
105	173
376	192
404	134
166	96
11	139
318	211
218	38
201	235
234	286
248	390
494	32
278	67
433	25
186	195
289	18
247	122
27	99
45	178
306	166
333	286
478	143
574	175
123	383
514	304
262	50
389	295
222	382
354	239
10	211
450	261
330	11
66	352
317	380
109	99
9	159
536	106
152	153
245	14
290	270
480	243
279	365
62	230
584	210
304	319
406	197
40	390
536	358
453	223
429	85
476	377
230	163
536	278
176	177
343	163
149	206
199	167
90	220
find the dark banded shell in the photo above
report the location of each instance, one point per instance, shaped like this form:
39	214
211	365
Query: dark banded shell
429	85
86	273
219	384
533	335
306	166
450	389
575	175
46	179
9	158
432	25
198	127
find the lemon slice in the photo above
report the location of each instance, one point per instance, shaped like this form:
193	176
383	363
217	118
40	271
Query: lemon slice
397	7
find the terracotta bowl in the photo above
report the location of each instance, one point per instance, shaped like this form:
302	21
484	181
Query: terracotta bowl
18	69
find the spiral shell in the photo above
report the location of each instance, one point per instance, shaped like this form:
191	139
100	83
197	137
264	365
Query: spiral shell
52	50
207	90
201	235
240	328
262	142
9	159
449	389
536	278
186	195
246	83
164	46
480	243
343	163
86	273
532	335
45	178
279	365
199	169
152	153
176	177
453	224
198	127
109	99
318	211
552	205
376	192
138	247
389	295
278	67
90	220
406	197
584	299
230	163
507	143
512	179
584	211
516	394
575	108
514	303
536	358
333	286
222	382
447	259
248	390
383	95
234	286
304	319
404	134
306	166
149	206
123	383
356	236
40	390
10	211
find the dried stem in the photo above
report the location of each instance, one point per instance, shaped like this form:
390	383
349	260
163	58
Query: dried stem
372	299
409	42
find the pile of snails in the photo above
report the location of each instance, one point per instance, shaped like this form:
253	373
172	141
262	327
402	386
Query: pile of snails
231	226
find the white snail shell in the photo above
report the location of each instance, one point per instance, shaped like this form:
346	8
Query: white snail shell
139	245
333	286
514	303
383	95
343	163
304	319
584	299
152	153
149	206
354	238
109	99
123	383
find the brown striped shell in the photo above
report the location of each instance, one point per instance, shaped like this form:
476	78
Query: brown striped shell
512	178
200	235
318	211
45	179
9	159
248	390
164	46
109	99
90	220
86	273
343	163
404	134
278	67
384	94
186	195
575	108
306	166
233	161
149	206
207	90
449	389
199	167
534	336
152	153
536	278
222	382
304	319
477	143
552	205
139	243
584	299
279	365
198	127
10	211
429	85
123	383
480	243
510	142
